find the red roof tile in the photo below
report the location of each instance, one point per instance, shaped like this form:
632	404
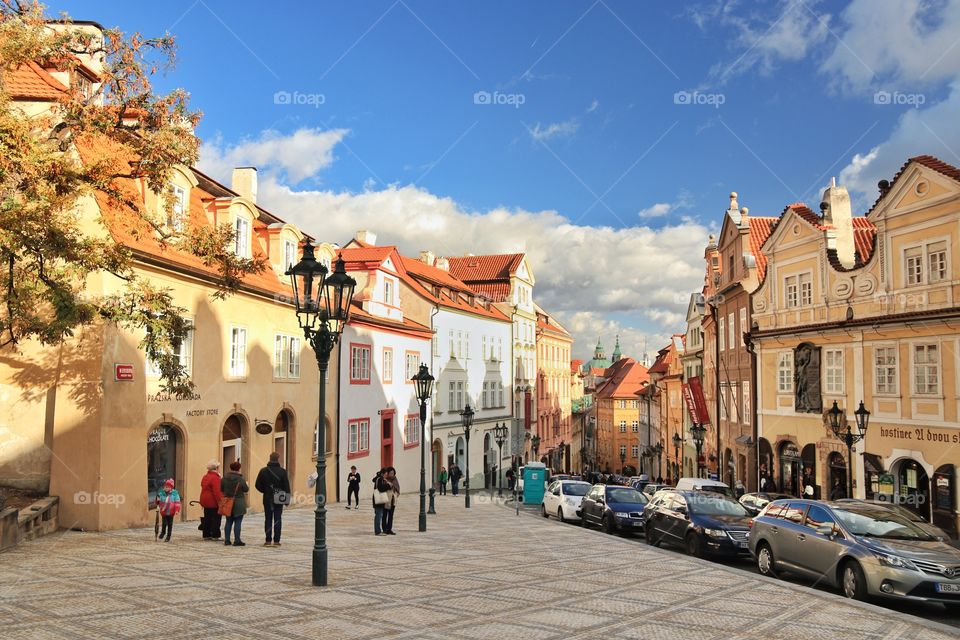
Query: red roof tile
760	230
931	162
357	314
624	379
30	82
493	291
492	267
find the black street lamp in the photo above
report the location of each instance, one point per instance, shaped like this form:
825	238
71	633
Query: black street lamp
500	436
535	447
697	432
658	449
677	441
841	428
466	419
323	308
423	386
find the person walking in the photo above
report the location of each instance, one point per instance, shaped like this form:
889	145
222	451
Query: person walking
235	487
511	478
838	491
390	508
455	479
382	493
442	480
168	504
210	495
274	483
353	487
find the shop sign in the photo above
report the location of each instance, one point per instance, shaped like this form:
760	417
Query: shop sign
886	483
920	434
122	372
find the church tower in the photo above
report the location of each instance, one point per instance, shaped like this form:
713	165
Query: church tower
616	350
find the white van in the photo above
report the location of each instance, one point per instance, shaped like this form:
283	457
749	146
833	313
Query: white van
703	484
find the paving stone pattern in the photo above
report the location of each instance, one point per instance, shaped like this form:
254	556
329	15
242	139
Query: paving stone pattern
478	573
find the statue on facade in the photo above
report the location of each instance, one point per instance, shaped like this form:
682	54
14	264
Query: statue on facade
806	362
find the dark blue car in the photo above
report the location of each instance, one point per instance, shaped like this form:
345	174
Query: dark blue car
702	522
613	508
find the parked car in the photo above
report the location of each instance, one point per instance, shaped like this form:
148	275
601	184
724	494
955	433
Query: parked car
755	502
613	508
863	549
651	488
912	516
562	499
705	523
703	484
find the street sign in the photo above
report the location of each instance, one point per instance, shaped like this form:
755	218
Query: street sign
122	372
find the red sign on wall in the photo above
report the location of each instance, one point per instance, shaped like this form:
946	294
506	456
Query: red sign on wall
123	372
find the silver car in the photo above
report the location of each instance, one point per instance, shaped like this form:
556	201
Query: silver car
863	549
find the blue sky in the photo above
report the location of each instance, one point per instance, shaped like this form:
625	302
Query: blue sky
591	142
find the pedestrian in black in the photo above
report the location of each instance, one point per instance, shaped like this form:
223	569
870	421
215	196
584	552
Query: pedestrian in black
274	483
511	478
382	498
353	487
455	479
838	491
391	476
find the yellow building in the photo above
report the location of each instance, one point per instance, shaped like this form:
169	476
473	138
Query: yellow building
554	345
86	420
617	408
864	310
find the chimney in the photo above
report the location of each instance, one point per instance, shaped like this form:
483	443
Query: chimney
838	214
366	237
427	257
244	183
443	263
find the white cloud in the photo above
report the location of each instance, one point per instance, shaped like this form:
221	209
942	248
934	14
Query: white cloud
555	130
684	201
299	155
899	44
593	106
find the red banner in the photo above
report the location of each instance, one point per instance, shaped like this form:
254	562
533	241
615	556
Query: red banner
696	403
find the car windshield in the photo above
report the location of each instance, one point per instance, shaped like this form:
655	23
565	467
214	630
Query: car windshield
626	496
710	505
575	488
880	523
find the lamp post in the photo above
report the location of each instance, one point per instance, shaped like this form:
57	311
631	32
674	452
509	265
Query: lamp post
697	431
423	385
841	428
535	447
500	436
658	449
466	419
677	441
323	308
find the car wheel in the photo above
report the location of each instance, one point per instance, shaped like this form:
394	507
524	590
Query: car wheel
651	539
694	545
583	520
853	582
543	511
607	525
560	515
765	561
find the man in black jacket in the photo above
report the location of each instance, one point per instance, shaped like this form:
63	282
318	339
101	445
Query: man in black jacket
274	483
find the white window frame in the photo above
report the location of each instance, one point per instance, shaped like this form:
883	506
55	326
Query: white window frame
722	334
732	331
929	370
785	372
388	292
890	370
833	374
238	351
743	326
623	426
925	252
185	355
286	356
179	207
745	411
289	254
358	439
806	288
386	375
723	401
411	430
242	246
360	366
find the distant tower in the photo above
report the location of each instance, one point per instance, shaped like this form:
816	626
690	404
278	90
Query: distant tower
598	352
646	362
616	350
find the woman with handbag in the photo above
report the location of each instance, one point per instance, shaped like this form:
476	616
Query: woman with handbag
382	500
210	496
233	505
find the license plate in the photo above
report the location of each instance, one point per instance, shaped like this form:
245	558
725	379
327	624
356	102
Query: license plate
944	587
742	545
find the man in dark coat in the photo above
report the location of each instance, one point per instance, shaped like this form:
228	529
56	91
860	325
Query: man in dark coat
455	475
274	483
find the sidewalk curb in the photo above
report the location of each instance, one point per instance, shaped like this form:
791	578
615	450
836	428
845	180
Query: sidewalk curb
865	606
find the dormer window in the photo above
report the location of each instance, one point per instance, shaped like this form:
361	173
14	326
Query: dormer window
241	239
289	254
178	210
388	292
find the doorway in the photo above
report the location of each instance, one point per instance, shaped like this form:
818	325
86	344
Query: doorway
386	438
944	498
162	458
913	490
838	475
232	441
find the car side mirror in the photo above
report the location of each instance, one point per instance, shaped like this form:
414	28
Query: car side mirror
556	492
681	510
826	530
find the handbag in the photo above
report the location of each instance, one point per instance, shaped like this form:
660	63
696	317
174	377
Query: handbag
382	497
225	507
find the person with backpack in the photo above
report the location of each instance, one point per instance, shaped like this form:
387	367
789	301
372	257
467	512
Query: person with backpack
168	504
274	483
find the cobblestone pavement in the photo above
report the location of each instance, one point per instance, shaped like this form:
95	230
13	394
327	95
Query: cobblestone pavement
482	573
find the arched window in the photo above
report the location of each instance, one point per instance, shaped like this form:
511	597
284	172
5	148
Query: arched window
162	445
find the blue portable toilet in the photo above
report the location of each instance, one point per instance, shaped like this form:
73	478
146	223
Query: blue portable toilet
534	482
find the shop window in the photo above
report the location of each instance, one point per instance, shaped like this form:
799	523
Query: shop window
161	460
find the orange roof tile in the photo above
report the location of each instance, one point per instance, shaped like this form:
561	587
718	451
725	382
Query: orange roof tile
760	230
931	162
479	268
357	314
493	291
30	82
625	378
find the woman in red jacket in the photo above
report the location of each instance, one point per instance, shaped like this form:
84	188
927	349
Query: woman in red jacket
210	496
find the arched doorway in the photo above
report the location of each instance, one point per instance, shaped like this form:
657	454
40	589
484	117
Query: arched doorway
728	467
164	459
764	460
233	442
458	456
837	469
487	470
808	470
789	468
913	487
945	498
436	453
282	440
